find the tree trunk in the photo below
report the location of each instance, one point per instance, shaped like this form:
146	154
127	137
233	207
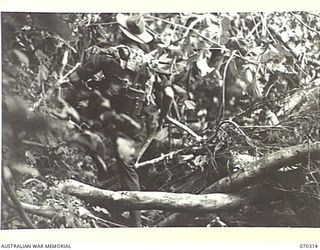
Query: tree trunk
260	168
254	171
296	100
140	200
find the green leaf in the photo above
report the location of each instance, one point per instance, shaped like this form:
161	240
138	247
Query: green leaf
179	90
43	72
272	118
190	104
202	65
257	51
224	27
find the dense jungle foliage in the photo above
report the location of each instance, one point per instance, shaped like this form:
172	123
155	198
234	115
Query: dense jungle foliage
246	83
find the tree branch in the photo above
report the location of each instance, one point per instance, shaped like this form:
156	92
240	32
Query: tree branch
159	159
257	194
258	169
185	128
140	200
295	100
253	172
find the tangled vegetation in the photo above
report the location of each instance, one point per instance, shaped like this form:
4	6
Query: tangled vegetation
246	84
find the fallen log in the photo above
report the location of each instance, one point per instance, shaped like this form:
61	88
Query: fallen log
258	194
260	168
143	200
296	100
136	200
253	172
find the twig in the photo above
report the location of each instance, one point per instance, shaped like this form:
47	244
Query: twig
190	27
185	128
266	127
278	37
66	43
159	159
171	154
271	36
51	90
212	160
72	70
304	24
96	24
64	63
253	30
248	140
33	144
145	146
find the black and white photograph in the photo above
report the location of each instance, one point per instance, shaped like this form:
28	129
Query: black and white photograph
156	120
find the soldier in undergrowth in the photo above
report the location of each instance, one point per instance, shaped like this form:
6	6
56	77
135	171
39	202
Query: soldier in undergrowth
130	81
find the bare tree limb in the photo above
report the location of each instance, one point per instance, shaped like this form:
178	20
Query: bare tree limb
159	159
295	100
253	172
258	169
33	144
140	200
255	194
185	128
